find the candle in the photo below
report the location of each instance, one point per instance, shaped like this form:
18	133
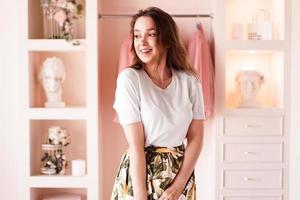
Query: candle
78	167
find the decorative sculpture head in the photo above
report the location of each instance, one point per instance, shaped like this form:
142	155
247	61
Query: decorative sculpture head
248	84
52	76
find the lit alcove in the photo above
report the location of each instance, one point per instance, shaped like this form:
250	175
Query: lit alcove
270	66
238	15
40	26
77	148
73	86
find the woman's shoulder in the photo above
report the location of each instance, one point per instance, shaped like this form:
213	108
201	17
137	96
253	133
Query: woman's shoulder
129	73
186	76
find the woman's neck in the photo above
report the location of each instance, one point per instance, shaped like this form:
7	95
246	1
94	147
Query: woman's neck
160	75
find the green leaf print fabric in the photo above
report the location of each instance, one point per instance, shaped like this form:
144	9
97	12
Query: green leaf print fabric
162	165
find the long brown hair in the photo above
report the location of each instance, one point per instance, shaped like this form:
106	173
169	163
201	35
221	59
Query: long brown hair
167	35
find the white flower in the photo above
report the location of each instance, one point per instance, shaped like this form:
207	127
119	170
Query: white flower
49	163
61	3
58	135
60	17
71	7
63	132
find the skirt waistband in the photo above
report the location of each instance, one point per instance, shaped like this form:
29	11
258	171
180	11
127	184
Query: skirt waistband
152	149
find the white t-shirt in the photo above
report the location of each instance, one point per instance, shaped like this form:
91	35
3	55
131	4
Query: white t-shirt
165	113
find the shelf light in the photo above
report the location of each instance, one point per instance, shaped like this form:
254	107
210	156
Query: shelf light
248	67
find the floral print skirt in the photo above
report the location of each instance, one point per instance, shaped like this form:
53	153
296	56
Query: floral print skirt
162	165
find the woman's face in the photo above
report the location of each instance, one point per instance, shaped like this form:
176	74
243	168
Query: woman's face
146	42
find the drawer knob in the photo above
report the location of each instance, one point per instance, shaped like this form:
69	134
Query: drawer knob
249	179
253	126
250	152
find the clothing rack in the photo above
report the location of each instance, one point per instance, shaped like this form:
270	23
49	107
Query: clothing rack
173	15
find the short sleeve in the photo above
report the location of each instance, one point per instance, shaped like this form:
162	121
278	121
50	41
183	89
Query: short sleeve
197	100
127	97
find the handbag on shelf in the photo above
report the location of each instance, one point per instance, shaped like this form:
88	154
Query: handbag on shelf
260	28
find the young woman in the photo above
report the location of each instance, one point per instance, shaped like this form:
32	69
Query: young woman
159	103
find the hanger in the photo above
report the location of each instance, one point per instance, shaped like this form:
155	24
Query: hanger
198	23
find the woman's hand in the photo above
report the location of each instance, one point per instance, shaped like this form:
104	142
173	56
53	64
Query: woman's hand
193	148
173	192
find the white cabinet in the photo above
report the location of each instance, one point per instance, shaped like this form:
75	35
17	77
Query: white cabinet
80	94
252	115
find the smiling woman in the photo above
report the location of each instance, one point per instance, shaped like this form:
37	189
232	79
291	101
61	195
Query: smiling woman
160	104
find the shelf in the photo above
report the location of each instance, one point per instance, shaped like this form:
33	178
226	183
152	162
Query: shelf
57	113
55	45
255	45
254	111
44	181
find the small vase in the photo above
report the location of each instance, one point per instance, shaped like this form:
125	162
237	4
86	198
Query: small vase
53	161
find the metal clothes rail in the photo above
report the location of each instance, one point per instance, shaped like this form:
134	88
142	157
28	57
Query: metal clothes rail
173	15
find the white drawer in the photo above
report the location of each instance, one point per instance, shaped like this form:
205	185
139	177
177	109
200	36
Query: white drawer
252	125
253	198
245	152
252	179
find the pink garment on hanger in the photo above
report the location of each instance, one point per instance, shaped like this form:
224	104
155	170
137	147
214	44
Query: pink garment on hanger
200	57
126	57
125	60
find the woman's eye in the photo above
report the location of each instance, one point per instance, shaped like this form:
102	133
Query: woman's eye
152	34
137	36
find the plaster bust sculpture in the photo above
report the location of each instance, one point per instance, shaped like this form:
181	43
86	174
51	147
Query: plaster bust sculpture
248	84
52	76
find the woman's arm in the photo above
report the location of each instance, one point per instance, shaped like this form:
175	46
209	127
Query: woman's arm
193	149
136	139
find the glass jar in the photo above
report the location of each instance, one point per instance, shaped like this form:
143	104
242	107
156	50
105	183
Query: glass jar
53	161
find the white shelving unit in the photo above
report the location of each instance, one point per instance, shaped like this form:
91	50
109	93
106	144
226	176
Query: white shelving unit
252	155
80	92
